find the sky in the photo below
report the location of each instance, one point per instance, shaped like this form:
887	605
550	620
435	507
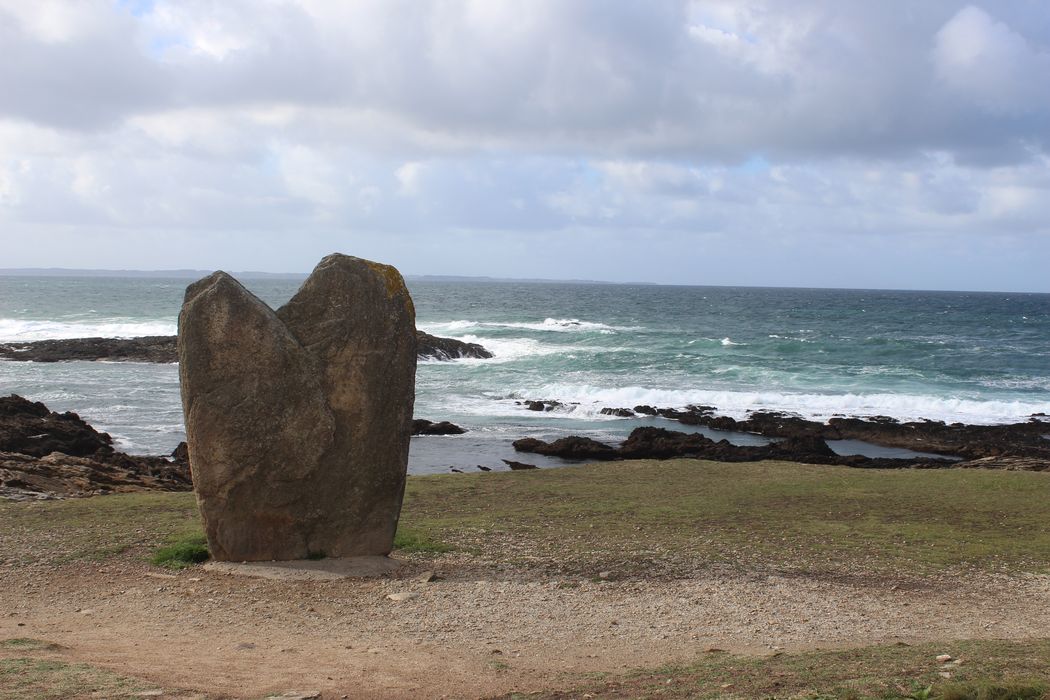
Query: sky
816	143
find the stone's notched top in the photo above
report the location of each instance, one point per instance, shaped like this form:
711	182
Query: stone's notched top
298	420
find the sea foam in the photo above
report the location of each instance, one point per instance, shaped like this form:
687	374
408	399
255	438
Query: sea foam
25	330
589	400
553	325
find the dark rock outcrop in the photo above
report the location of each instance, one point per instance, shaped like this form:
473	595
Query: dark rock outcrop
156	348
540	405
30	428
422	426
44	454
618	412
24	477
431	347
956	440
298	421
162	349
519	466
571	447
660	443
967	441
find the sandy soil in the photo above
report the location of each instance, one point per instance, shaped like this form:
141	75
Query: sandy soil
479	630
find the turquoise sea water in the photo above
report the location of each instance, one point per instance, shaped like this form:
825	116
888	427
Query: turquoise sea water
971	357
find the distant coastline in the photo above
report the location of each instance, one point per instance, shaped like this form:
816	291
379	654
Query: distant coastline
187	274
255	274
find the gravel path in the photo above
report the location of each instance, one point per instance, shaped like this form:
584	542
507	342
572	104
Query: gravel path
479	629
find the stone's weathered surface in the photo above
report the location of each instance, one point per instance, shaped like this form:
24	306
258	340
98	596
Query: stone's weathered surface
298	420
356	320
257	424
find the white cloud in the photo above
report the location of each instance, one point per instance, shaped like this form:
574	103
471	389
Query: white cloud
989	63
408	177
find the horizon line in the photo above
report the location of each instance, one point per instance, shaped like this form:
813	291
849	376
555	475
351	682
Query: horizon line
187	273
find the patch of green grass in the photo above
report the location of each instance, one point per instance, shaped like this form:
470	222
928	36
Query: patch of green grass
413	541
992	691
27	644
990	670
42	679
94	529
182	553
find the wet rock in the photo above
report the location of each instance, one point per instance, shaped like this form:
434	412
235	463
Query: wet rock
145	349
298	420
431	347
971	442
649	442
571	447
618	412
163	349
422	426
519	466
541	405
660	443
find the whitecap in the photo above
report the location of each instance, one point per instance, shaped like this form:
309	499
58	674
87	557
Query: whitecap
23	330
592	399
554	325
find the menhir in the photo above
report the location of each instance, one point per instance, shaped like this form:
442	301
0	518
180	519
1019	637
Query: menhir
298	421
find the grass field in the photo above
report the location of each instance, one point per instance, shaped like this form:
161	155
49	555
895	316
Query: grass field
767	514
659	519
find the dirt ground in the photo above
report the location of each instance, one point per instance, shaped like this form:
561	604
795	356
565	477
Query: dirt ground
479	629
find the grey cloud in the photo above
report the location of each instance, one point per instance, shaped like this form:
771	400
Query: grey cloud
91	81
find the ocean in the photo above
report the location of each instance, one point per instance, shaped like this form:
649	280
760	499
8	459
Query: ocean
952	356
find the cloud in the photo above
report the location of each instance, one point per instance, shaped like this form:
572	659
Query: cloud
984	61
762	120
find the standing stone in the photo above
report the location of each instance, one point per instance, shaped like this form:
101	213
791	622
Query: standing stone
298	421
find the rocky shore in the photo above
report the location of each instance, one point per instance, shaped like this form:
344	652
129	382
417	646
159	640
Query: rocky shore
162	349
45	455
1020	446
